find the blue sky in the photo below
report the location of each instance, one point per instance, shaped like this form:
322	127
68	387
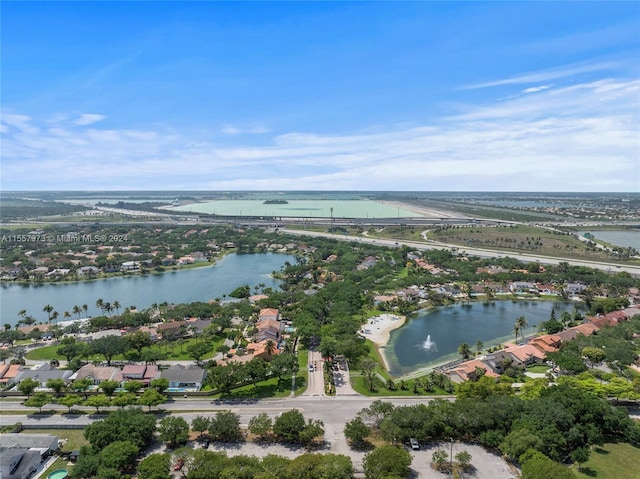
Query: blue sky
428	96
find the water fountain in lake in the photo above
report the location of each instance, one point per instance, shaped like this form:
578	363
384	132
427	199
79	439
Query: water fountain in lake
428	344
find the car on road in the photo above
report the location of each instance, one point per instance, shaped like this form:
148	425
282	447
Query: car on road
415	445
310	368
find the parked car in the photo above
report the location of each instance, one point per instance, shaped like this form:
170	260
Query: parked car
415	445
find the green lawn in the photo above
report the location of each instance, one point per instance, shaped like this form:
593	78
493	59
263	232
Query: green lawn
538	368
75	437
612	461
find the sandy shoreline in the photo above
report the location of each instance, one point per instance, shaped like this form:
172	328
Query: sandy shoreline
378	331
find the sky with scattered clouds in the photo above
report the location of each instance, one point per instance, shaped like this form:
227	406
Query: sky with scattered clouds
420	96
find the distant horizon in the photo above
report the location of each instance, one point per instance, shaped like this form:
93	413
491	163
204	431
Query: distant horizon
358	191
320	96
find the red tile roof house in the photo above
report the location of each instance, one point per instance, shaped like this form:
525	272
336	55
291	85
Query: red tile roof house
172	329
9	374
547	343
259	350
586	329
467	371
140	372
269	313
526	354
269	329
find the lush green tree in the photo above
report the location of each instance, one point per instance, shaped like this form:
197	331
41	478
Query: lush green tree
122	425
439	458
155	466
334	466
109	346
261	425
464	458
81	386
122	400
536	465
118	455
288	425
256	370
27	386
57	385
161	384
376	413
303	466
71	348
312	430
109	387
139	340
580	456
284	365
70	400
200	424
356	431
133	386
368	367
151	397
97	401
386	461
87	465
197	350
173	430
464	350
39	400
225	426
594	355
519	441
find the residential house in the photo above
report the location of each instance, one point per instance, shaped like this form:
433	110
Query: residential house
130	266
188	377
269	313
18	462
268	329
547	343
97	374
260	350
470	371
522	287
144	373
172	329
525	354
43	373
45	444
8	373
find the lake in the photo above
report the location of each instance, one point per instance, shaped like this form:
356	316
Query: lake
448	327
624	238
301	208
189	285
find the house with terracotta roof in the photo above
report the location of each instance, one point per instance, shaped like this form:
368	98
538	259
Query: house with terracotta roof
468	371
260	350
172	329
144	373
9	373
269	329
547	343
526	354
269	313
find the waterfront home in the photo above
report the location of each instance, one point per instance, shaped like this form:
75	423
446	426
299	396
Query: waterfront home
547	343
172	329
522	287
470	371
188	377
130	266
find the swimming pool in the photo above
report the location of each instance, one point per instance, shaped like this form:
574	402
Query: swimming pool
59	474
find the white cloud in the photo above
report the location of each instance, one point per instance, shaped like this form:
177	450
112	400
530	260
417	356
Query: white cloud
232	130
549	74
88	119
536	89
577	138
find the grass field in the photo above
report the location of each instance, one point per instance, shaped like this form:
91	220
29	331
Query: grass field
74	437
612	461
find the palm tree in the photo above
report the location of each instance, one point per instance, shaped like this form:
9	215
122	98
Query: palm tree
76	310
85	308
23	314
100	304
522	323
516	330
270	347
479	346
464	350
66	315
48	309
116	306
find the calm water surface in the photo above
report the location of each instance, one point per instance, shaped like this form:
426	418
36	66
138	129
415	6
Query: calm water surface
448	327
198	284
624	238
